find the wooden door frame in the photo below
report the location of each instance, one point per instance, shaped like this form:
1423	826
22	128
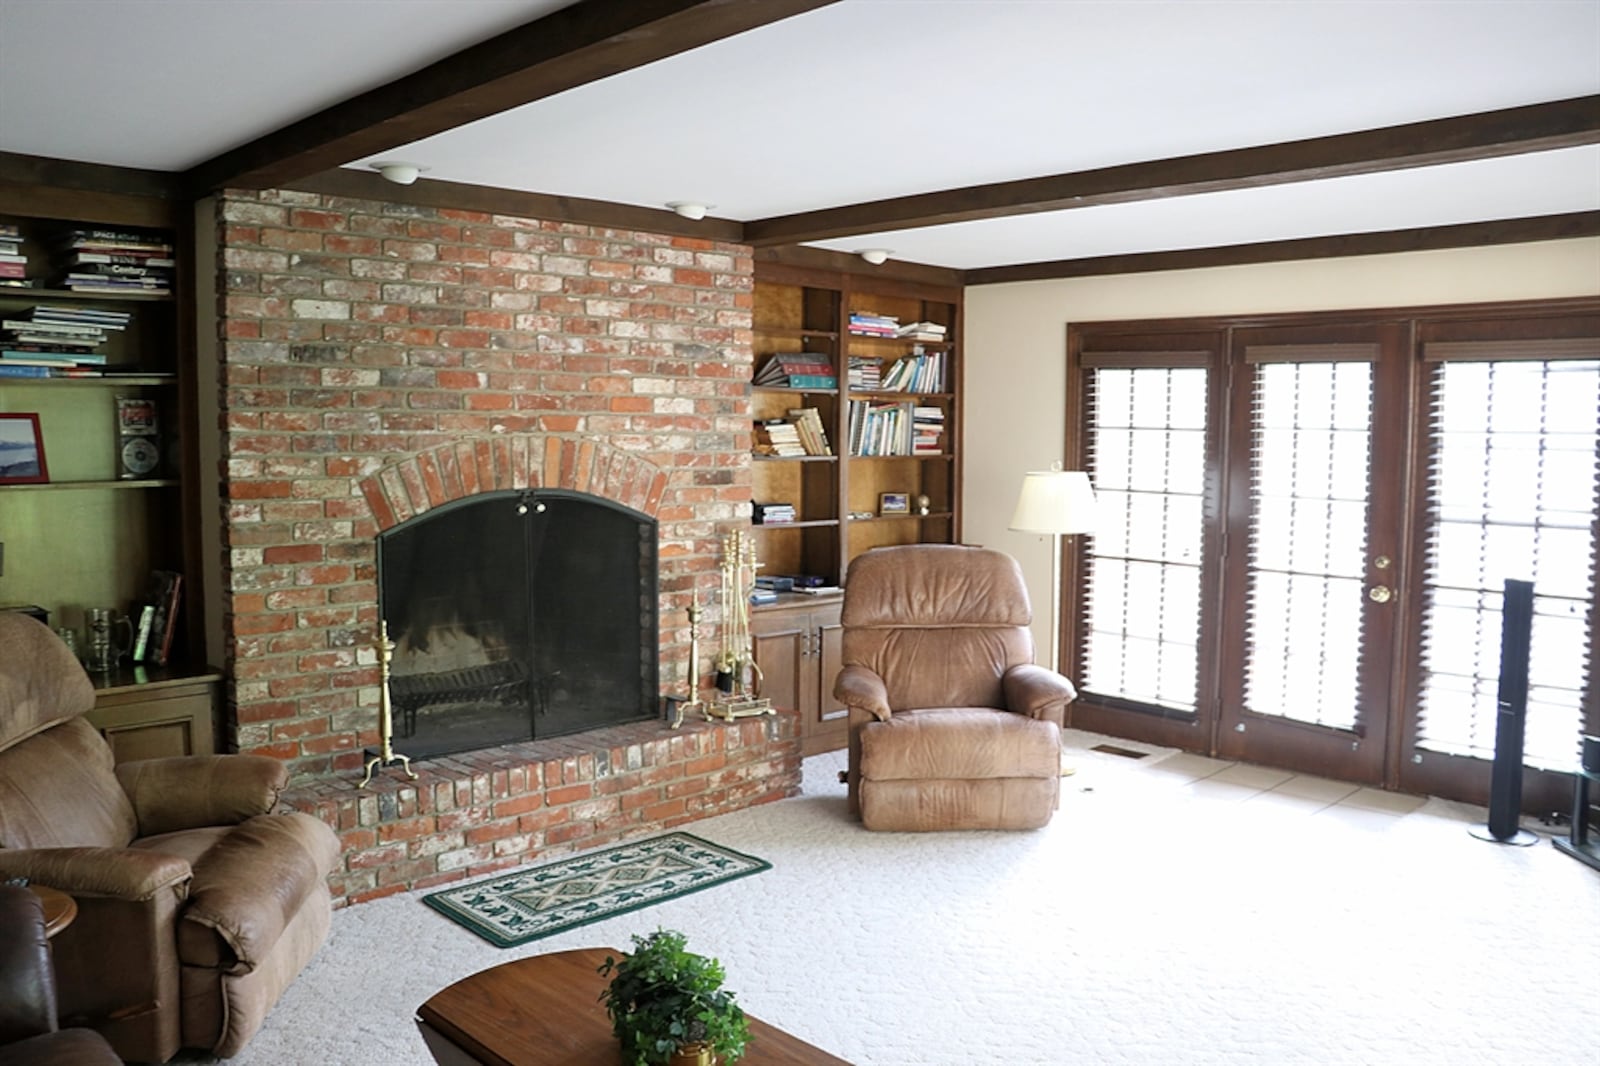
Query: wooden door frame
1461	779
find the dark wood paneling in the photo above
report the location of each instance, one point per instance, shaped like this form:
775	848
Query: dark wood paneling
574	46
1487	135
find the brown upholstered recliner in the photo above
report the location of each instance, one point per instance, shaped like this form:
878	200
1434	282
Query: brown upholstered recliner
952	726
29	1035
196	906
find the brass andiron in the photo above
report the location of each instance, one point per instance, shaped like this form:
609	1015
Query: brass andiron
386	753
736	665
693	702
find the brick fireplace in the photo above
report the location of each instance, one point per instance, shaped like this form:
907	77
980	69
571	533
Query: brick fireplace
379	360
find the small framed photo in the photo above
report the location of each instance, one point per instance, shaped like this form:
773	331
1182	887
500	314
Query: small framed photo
894	503
21	450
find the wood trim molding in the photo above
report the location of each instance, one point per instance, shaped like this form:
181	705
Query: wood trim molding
64	177
1486	135
574	46
1421	239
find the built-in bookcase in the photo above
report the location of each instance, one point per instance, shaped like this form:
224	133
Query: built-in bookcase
102	516
893	475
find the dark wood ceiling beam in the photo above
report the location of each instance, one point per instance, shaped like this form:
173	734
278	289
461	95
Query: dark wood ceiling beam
571	47
1424	238
1534	128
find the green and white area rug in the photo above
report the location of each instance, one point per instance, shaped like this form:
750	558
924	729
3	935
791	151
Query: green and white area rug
538	901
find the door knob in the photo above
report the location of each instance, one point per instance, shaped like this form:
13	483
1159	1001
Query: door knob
1380	594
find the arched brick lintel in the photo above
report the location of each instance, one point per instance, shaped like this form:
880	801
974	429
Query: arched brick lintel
463	468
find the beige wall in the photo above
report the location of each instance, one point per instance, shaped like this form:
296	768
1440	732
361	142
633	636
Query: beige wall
1015	345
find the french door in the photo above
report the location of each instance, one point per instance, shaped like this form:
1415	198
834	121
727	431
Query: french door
1312	582
1305	524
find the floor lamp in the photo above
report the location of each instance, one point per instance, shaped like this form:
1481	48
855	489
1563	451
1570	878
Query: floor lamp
1057	502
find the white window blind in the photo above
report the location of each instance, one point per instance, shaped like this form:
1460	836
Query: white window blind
1511	494
1147	459
1308	535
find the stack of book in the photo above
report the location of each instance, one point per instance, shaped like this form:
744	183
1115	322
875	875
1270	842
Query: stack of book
797	370
878	428
927	431
813	435
771	514
921	372
13	260
867	324
780	438
116	261
921	331
56	336
865	375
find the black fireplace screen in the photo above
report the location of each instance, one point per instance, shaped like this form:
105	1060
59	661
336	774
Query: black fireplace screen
518	615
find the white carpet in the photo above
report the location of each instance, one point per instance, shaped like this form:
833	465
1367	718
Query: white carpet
1158	919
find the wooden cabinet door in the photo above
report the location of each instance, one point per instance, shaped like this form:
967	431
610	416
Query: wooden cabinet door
779	643
829	728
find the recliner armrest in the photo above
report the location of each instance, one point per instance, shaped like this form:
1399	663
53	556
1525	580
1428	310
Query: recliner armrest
191	791
114	873
859	688
1038	692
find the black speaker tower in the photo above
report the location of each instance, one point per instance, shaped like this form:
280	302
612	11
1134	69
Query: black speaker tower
1505	782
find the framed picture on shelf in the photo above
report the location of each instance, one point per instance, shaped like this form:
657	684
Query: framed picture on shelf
22	450
894	503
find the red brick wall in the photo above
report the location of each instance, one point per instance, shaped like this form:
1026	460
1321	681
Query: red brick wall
368	350
469	815
359	337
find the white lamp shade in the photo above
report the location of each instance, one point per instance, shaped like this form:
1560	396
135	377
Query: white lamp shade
1055	501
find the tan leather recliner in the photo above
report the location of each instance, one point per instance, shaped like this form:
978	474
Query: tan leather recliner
196	906
952	726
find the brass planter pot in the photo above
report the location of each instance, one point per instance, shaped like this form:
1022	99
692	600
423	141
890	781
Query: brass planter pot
693	1055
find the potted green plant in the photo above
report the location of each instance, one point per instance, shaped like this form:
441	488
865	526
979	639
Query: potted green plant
667	1005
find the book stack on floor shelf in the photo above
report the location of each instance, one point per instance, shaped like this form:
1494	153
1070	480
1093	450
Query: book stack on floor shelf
778	438
48	338
116	262
13	260
871	324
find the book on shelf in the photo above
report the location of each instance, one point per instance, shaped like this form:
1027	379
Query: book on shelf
42	356
922	331
14	369
870	324
813	434
865	375
163	596
779	437
771	514
124	258
782	367
811	381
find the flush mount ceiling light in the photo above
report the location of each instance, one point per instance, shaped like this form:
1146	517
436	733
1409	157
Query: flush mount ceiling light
398	172
875	255
689	208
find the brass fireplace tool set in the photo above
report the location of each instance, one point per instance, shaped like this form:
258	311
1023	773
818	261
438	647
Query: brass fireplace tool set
738	676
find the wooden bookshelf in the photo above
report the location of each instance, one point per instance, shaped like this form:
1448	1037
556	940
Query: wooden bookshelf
838	499
90	535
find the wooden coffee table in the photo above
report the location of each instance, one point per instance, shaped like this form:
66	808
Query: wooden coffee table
545	1010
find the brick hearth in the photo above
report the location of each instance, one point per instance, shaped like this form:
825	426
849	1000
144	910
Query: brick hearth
378	360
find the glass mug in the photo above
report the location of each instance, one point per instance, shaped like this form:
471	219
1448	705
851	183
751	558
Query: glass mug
104	649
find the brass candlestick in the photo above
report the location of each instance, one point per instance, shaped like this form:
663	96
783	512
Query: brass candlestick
693	702
386	753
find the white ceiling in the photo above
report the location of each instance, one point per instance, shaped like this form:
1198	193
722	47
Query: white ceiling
861	100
